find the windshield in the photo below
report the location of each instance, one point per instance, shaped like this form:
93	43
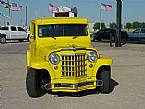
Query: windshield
62	30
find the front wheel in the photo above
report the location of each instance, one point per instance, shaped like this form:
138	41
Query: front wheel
123	41
33	84
3	40
93	39
105	77
99	39
28	38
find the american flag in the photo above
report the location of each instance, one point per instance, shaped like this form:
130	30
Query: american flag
16	7
106	7
53	8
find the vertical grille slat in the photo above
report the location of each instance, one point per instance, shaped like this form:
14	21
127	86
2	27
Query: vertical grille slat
74	65
63	66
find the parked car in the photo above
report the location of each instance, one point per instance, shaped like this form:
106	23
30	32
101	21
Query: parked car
105	34
12	33
138	34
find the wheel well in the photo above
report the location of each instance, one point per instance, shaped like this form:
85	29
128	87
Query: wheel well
102	68
3	35
44	74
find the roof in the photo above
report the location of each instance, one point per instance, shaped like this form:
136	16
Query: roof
60	20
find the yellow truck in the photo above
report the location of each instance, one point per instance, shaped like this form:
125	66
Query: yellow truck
60	58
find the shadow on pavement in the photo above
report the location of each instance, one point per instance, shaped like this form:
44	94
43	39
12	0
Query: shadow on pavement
113	83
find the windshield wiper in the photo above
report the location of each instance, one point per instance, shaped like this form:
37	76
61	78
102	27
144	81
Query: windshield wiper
52	36
75	37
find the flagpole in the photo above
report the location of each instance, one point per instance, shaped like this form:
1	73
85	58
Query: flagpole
9	12
26	17
9	7
100	18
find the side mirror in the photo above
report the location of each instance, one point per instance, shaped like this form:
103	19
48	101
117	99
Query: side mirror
31	36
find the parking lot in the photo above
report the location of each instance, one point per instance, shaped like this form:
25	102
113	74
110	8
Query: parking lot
128	81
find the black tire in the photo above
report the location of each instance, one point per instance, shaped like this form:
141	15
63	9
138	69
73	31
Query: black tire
33	84
2	40
93	39
21	40
113	38
99	39
28	39
105	77
123	41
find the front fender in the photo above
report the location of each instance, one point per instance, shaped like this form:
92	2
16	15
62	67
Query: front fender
39	63
103	61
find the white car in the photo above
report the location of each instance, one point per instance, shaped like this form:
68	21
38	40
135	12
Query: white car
13	33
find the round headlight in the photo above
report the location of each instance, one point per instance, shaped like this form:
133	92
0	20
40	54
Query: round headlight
92	56
54	59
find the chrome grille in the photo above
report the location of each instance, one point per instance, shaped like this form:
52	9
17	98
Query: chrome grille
74	65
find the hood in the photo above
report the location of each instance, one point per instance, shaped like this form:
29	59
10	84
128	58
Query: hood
46	50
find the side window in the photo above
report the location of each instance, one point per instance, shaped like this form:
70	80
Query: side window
13	28
113	31
108	31
143	31
101	31
136	31
4	28
20	29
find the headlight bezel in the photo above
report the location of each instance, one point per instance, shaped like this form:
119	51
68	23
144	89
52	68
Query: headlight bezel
92	55
54	58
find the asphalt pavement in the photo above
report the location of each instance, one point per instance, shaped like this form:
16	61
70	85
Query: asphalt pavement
128	81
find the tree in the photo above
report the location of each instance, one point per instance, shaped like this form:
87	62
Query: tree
128	26
136	25
1	14
113	25
143	24
97	26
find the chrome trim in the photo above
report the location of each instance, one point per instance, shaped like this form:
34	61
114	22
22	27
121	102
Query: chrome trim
73	60
74	65
75	54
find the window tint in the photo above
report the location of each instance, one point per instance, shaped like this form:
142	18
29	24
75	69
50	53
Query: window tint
20	29
63	30
113	31
4	28
108	31
13	28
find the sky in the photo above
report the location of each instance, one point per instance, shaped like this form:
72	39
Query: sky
132	10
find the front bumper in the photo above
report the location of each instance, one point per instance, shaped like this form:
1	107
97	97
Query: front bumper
74	85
